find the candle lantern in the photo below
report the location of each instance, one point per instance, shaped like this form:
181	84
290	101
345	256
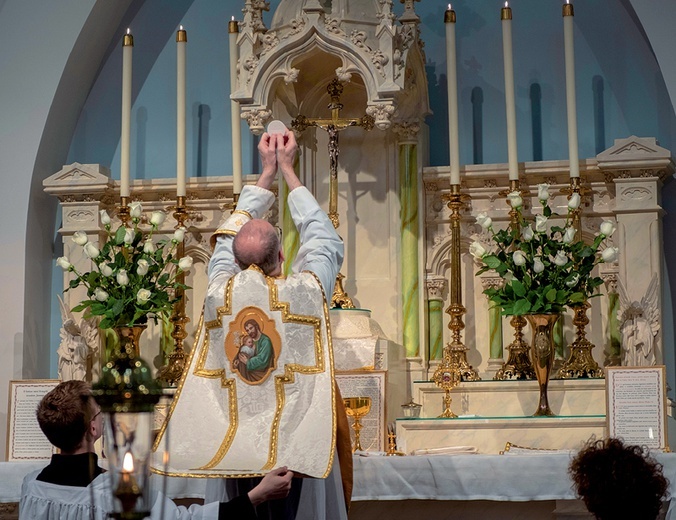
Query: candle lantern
127	394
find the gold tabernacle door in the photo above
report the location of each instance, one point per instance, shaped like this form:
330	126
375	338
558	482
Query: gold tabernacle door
258	389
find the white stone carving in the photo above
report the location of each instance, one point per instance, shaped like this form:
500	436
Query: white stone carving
435	288
291	76
407	130
639	325
79	342
381	113
257	119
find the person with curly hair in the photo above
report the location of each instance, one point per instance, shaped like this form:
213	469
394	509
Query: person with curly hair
617	481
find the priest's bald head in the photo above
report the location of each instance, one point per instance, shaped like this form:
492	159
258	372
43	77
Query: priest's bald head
257	243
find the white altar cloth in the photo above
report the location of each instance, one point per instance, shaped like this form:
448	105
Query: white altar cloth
514	478
423	477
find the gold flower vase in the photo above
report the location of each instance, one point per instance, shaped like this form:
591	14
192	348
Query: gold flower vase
542	355
129	339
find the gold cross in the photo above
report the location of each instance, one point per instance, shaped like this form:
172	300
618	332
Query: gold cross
333	126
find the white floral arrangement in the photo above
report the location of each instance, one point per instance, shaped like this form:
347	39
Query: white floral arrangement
544	268
134	278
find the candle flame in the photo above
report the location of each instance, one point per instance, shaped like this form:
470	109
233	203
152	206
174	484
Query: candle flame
128	462
449	7
506	4
180	27
232	18
128	30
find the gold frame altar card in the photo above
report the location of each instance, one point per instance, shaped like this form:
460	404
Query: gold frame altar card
25	440
367	383
636	406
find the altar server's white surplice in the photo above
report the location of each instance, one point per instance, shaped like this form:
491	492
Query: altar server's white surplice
45	501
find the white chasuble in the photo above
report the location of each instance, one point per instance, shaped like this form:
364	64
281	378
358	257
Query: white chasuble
258	389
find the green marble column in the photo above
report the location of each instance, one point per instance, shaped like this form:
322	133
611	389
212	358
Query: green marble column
615	351
495	331
290	238
435	318
408	198
435	336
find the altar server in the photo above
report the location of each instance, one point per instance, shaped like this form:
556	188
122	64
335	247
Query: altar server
74	487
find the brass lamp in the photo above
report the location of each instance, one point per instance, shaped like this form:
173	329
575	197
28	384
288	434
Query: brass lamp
127	394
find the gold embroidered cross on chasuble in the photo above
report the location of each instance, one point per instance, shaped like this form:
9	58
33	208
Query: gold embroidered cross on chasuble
258	390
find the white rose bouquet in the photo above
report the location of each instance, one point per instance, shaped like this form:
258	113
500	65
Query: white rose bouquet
544	268
134	277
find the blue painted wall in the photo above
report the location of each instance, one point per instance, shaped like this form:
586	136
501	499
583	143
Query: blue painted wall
620	90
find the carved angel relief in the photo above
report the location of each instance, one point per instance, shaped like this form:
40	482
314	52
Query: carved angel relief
78	343
639	325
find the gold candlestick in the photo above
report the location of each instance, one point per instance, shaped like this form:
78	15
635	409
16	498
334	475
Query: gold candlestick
454	366
518	364
173	370
392	442
456	349
580	363
123	210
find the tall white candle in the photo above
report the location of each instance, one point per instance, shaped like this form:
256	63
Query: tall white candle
233	31
125	137
570	89
451	73
181	41
510	104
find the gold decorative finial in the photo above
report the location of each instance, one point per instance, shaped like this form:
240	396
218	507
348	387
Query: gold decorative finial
128	39
233	26
449	15
506	12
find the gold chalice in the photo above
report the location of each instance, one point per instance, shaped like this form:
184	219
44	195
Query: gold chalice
357	407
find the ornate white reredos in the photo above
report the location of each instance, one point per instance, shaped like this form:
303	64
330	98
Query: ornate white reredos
636	157
308	45
91	179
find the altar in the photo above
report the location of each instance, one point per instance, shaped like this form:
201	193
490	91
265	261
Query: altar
398	488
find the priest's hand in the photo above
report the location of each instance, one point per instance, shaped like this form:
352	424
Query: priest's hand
286	154
275	484
267	150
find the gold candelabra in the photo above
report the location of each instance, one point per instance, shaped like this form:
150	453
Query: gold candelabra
173	370
580	363
454	366
518	364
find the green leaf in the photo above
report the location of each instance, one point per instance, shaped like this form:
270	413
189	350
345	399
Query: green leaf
519	289
521	307
551	295
492	261
576	297
119	235
82	306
